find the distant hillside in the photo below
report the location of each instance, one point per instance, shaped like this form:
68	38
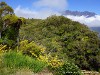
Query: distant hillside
97	29
78	13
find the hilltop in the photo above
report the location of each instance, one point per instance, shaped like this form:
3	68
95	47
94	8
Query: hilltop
66	39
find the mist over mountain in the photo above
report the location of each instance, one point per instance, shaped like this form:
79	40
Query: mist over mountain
86	14
91	19
97	29
79	13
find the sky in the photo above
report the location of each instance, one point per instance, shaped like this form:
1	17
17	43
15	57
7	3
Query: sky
44	8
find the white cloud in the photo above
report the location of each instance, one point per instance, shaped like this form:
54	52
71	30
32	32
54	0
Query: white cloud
44	13
41	14
24	12
54	4
90	21
47	8
51	7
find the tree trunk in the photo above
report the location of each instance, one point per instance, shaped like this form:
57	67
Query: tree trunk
0	34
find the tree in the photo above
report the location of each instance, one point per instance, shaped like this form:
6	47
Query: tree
9	25
4	10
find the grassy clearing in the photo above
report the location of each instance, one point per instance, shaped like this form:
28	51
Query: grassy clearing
13	61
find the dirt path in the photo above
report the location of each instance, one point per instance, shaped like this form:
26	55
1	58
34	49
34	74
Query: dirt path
27	72
46	72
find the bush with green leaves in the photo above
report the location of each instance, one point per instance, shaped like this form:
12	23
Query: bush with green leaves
31	48
68	68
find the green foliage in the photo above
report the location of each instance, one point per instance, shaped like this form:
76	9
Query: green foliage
12	18
7	42
23	20
9	36
15	60
59	36
68	68
56	21
31	48
5	9
9	25
65	38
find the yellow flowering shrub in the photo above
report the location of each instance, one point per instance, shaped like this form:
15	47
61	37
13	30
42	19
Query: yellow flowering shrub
38	51
31	48
55	62
2	49
43	58
51	61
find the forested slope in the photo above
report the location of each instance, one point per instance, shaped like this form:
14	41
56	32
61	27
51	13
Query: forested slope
65	38
56	44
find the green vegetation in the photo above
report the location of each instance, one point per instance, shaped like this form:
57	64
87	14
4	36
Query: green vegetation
31	48
63	46
16	60
9	26
67	69
66	39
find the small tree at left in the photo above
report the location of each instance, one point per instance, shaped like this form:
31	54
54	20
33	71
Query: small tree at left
9	25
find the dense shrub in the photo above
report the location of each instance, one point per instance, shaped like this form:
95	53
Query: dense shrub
67	68
63	37
52	61
31	48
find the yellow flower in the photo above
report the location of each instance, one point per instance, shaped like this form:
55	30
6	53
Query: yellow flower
34	54
55	62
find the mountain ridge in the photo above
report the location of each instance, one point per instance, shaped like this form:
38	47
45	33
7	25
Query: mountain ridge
79	13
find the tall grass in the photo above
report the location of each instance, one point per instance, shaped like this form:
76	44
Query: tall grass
12	61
